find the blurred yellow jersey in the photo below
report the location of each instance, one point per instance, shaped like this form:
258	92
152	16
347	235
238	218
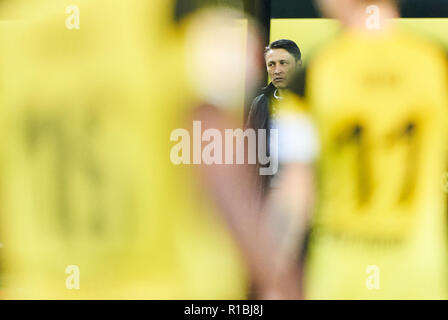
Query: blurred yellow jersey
92	206
379	102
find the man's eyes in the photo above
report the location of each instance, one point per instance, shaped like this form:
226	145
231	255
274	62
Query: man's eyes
280	62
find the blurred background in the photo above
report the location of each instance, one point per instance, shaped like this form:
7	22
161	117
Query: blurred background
301	22
277	19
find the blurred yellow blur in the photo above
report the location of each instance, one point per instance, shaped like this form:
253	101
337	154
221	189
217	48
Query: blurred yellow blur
311	34
378	98
87	186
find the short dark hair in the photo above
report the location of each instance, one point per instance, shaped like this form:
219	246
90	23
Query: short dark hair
288	45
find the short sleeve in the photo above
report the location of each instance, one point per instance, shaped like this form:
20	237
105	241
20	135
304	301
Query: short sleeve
298	140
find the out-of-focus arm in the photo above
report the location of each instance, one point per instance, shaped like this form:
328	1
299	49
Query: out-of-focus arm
232	191
289	206
216	67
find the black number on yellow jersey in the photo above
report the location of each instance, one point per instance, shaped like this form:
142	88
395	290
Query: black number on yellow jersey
69	152
355	136
408	135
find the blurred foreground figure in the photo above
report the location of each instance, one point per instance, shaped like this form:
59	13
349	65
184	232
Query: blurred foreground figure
92	205
367	123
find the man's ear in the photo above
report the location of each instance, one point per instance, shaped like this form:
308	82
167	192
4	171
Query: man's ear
299	63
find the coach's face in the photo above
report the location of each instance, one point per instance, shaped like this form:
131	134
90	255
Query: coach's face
281	66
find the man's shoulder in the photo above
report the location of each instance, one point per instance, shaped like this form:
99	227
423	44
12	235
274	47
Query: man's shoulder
265	93
259	110
258	99
260	103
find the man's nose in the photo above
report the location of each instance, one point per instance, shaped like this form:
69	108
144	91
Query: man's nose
278	70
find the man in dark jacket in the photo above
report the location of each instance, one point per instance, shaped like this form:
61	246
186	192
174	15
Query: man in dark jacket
282	57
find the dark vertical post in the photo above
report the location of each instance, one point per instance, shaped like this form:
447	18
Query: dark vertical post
261	11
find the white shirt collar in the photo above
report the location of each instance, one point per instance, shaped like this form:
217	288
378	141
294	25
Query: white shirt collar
276	96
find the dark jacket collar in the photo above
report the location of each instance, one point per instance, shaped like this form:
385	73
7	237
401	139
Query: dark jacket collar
268	90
